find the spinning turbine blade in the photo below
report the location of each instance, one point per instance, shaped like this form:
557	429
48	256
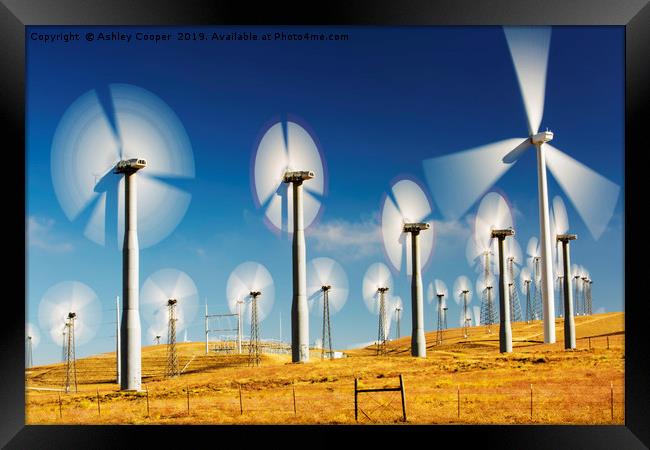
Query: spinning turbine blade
593	195
275	156
64	298
91	138
31	330
441	288
470	173
392	232
163	285
529	50
377	275
560	217
326	272
461	284
250	277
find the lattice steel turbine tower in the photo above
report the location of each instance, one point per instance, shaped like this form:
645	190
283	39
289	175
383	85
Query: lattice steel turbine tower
381	338
326	351
172	355
70	358
254	357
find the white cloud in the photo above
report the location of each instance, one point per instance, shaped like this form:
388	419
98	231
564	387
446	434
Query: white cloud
40	235
349	240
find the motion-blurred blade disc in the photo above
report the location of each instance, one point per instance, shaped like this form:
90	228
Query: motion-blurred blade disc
461	284
32	331
277	154
392	231
250	277
529	50
593	195
441	288
395	304
560	217
411	206
93	136
477	315
377	275
159	288
457	180
493	214
431	293
326	272
66	297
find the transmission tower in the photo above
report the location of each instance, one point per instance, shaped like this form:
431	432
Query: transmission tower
326	351
381	338
70	359
172	355
515	306
441	320
254	357
28	351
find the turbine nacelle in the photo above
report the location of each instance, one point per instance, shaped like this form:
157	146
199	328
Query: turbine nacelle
415	227
502	234
130	165
72	315
255	294
171	301
567	237
542	137
382	290
326	288
297	176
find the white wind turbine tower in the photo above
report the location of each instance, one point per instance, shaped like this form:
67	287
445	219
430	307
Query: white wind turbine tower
65	305
377	283
32	338
327	288
463	296
563	238
158	290
250	294
404	211
122	130
287	154
494	223
472	172
576	277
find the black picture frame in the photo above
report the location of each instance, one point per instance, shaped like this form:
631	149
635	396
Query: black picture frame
15	15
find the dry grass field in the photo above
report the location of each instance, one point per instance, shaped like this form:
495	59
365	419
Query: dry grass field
461	381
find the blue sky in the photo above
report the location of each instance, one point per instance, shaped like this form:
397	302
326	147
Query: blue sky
379	104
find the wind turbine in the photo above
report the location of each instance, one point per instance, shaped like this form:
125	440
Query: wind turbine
526	280
463	295
439	290
377	282
475	170
403	213
327	287
161	287
250	294
122	130
514	260
397	306
534	261
32	338
287	154
487	313
561	225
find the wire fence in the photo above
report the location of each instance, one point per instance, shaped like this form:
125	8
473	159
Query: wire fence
334	403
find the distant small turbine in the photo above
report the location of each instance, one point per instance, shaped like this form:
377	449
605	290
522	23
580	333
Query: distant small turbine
376	283
463	294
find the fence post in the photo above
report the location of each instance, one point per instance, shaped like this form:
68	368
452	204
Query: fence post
99	411
458	396
401	386
60	408
531	401
607	342
294	397
590	343
147	389
241	403
356	407
188	400
611	397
